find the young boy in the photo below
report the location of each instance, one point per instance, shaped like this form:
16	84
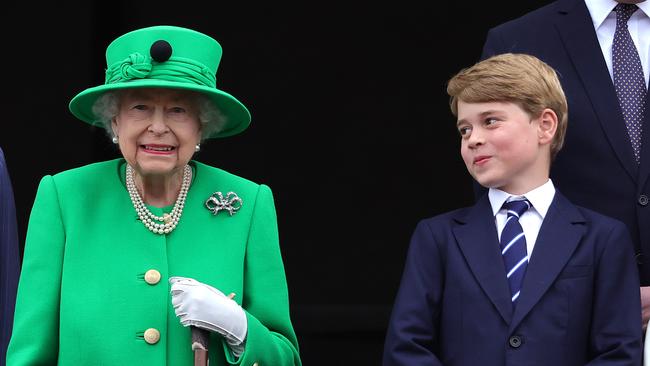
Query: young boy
523	277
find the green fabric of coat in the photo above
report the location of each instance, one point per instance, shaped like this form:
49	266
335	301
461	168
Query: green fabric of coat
82	297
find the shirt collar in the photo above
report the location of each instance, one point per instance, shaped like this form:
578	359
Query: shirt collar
600	9
540	197
645	7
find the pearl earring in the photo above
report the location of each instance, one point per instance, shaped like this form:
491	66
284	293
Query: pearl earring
115	140
197	148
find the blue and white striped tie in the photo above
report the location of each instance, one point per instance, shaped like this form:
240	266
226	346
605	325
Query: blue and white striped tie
513	246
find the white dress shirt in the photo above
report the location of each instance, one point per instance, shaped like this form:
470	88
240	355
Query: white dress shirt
604	19
531	221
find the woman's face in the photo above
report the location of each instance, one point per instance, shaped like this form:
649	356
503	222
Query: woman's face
158	129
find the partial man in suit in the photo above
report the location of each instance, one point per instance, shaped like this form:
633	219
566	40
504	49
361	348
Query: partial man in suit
600	49
524	276
9	257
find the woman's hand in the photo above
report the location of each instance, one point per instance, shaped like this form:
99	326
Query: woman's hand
204	306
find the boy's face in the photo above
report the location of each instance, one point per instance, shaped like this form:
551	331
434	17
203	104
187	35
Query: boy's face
503	147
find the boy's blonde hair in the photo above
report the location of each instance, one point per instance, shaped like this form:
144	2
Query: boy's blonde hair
516	78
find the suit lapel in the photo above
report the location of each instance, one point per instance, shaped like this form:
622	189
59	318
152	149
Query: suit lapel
558	237
581	43
477	238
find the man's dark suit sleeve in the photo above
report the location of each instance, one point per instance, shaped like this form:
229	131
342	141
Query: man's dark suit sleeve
9	258
412	332
615	334
493	45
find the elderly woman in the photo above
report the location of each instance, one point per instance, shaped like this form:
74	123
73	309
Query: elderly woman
124	257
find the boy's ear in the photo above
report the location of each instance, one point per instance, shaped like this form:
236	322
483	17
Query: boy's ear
547	126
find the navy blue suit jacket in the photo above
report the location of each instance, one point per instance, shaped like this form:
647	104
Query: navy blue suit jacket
9	257
596	167
579	303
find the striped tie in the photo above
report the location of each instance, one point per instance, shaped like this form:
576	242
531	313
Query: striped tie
513	246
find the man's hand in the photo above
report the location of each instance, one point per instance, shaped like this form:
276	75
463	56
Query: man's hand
645	306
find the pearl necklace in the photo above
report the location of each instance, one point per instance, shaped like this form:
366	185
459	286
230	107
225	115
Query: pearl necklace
168	221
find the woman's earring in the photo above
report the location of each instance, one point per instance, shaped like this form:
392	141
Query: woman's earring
197	148
115	140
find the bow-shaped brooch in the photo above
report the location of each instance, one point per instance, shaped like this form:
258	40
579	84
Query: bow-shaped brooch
217	202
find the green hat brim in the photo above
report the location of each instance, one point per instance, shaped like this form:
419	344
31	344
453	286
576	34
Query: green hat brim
237	116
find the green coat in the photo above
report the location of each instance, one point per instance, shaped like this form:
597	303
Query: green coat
83	298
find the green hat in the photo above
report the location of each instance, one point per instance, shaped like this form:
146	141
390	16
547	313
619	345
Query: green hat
165	57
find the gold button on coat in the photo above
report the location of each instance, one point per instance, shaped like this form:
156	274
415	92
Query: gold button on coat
151	336
152	277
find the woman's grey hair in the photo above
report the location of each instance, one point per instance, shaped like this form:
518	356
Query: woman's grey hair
107	107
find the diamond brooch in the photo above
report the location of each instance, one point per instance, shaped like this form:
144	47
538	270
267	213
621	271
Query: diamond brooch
217	202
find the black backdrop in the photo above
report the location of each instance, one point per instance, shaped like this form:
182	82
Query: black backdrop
351	129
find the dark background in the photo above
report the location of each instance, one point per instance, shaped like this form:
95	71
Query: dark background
350	128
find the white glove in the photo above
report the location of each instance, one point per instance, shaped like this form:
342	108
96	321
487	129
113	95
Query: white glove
204	306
